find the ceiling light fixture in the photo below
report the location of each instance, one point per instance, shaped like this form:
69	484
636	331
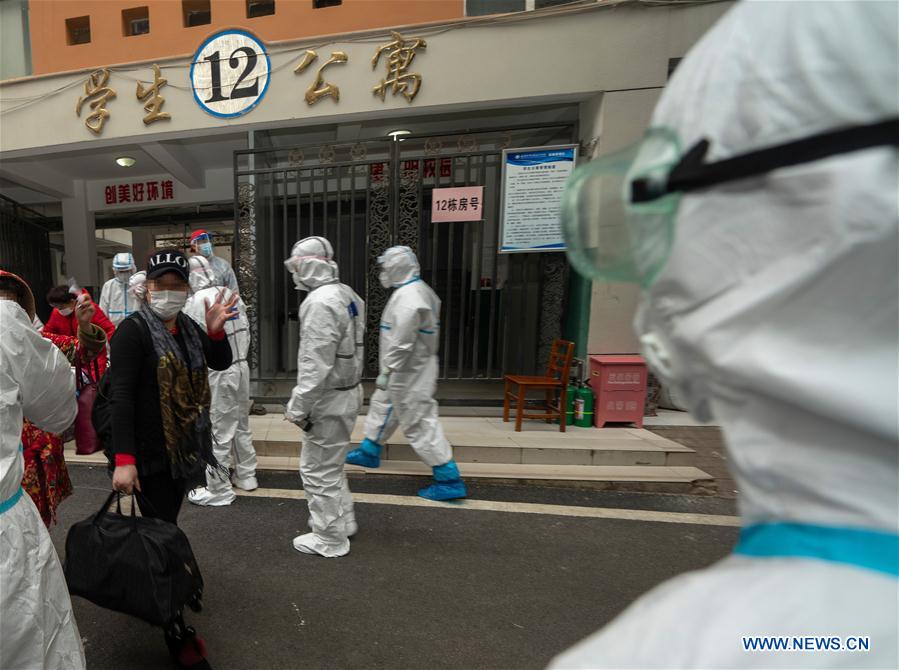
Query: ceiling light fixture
125	161
398	135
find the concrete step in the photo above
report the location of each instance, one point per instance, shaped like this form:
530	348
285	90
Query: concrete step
676	479
606	473
490	440
490	448
538	452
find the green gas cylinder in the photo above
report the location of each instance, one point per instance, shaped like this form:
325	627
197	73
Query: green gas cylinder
583	406
569	404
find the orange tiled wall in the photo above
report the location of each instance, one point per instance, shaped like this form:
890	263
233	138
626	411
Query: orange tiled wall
168	36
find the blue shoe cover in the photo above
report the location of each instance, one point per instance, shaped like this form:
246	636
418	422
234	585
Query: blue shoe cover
448	472
368	455
444	490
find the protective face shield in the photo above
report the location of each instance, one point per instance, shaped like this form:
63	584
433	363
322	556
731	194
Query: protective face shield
399	266
618	211
310	263
201	275
123	266
203	244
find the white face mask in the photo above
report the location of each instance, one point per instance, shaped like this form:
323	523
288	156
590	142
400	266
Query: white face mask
167	304
65	311
385	280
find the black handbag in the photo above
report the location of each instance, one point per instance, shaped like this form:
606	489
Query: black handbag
137	565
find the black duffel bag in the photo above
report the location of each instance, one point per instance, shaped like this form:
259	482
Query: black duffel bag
137	565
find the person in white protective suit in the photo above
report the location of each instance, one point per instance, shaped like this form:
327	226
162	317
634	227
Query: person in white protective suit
328	394
37	627
201	244
760	215
229	408
115	300
409	341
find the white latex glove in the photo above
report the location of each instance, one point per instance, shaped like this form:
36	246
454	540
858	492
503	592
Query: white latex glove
383	379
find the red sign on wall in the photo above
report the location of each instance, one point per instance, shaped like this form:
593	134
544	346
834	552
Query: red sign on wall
141	191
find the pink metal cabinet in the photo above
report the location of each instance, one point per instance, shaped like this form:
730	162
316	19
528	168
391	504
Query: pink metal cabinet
619	384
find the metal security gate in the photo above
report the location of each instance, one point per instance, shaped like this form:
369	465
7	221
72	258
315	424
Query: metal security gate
25	249
499	313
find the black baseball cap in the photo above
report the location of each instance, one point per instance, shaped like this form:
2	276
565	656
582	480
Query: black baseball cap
168	260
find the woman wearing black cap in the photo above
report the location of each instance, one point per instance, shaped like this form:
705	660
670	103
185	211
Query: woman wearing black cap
161	434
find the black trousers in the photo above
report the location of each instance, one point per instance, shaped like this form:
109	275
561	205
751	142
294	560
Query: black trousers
165	494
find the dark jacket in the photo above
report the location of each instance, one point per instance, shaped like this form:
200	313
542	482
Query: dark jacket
134	391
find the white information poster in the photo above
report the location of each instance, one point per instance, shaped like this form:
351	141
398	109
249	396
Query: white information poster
533	181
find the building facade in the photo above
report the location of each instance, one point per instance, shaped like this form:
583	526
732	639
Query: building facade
338	119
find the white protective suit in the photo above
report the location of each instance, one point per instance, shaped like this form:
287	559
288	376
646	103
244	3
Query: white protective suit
115	300
37	627
776	314
408	346
223	273
230	406
328	394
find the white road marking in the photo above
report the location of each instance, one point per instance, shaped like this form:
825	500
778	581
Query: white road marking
517	508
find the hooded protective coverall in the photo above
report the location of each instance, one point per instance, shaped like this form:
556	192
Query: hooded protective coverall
229	409
776	315
409	341
37	627
114	297
328	395
222	272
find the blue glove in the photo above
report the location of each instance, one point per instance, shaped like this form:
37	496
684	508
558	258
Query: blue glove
383	379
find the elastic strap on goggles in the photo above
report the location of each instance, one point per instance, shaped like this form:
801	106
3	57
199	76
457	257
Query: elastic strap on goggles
691	173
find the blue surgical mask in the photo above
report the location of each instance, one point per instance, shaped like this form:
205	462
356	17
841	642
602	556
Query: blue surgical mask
206	249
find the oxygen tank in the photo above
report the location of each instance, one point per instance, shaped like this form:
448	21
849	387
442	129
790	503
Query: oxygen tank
583	406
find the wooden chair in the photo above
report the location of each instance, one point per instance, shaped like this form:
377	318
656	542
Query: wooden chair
556	380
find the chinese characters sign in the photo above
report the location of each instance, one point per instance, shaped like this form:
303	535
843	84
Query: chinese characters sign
149	191
98	93
400	54
533	181
457	204
230	74
231	71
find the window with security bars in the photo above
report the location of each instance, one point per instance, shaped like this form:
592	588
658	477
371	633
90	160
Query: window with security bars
135	21
78	30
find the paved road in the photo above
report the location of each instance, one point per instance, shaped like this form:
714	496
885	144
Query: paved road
423	587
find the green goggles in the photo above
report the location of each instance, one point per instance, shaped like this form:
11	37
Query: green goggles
618	211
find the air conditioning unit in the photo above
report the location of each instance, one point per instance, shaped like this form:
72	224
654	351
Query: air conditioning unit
199	17
260	8
139	26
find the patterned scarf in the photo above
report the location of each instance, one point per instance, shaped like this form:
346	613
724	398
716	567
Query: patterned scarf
184	396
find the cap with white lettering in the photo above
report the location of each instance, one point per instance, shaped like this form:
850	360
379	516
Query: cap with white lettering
168	260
